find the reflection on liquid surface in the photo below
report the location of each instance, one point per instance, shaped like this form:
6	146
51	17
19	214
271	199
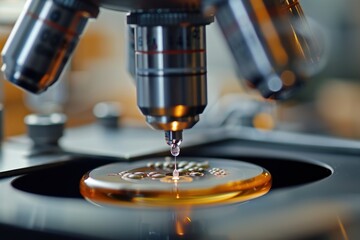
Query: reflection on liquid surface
151	182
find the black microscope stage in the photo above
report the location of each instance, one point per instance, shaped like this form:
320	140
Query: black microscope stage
314	194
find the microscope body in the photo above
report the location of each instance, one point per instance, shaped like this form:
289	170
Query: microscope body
269	39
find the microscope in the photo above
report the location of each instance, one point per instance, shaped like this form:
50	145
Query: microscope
270	40
314	180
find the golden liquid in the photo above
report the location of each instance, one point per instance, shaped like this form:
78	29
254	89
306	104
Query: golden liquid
237	182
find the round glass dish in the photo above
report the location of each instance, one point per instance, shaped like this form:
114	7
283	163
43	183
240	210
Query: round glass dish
201	181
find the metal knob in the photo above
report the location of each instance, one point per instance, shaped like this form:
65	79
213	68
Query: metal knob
108	114
45	129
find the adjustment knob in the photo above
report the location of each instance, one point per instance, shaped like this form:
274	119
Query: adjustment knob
108	114
45	129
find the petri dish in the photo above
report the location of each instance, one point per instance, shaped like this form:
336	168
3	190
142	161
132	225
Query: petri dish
201	181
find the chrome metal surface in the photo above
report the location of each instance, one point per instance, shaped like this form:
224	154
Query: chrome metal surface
42	41
131	52
45	130
1	122
173	138
269	39
142	5
171	70
271	44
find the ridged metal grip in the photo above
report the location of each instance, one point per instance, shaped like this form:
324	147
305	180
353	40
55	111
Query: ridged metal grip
43	40
45	130
171	70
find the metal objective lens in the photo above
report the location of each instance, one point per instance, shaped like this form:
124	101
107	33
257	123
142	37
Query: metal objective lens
170	55
42	41
271	43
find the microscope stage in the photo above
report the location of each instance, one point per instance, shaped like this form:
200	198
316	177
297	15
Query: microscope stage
313	189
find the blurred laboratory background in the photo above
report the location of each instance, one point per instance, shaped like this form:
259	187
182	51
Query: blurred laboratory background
327	105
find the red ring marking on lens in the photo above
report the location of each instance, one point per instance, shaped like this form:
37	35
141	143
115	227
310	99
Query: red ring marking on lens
51	24
171	52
